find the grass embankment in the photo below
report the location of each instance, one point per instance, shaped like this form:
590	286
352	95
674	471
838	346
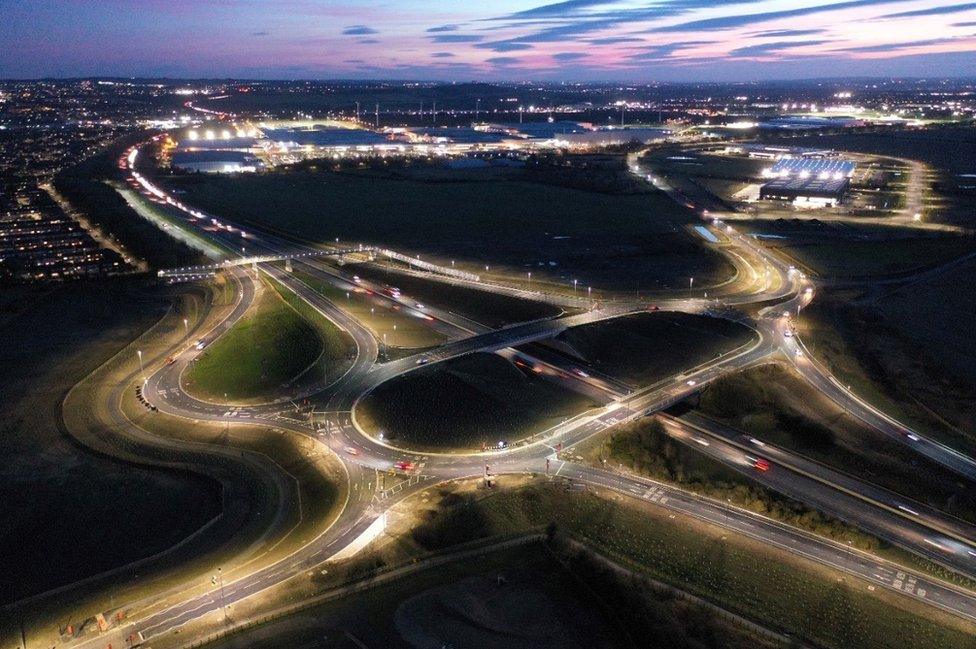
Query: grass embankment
265	351
389	322
645	348
550	598
775	406
645	448
780	590
624	242
908	356
471	401
69	513
487	308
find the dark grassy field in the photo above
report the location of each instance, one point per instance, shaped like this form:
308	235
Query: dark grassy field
645	348
487	308
817	605
464	403
877	257
625	242
550	598
67	513
841	251
940	310
907	353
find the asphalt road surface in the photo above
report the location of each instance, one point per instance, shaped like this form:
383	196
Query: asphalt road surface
764	290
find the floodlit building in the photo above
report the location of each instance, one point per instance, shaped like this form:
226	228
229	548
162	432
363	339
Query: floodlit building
216	161
811	182
612	137
806	192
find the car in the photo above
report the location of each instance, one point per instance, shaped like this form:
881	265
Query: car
170	360
423	361
654	307
761	464
420	306
199	344
691	382
356	279
578	372
351	451
403	465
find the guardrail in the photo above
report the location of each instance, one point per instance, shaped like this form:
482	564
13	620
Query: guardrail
433	268
260	259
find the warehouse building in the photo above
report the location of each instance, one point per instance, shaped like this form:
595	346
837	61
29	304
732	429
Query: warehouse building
806	192
808	182
216	161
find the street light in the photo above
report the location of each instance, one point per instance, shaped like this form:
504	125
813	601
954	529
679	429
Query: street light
142	369
186	327
223	604
575	282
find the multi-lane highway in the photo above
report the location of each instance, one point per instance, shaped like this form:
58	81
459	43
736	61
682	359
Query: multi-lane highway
765	289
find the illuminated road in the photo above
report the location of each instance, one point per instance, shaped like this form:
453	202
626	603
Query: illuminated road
765	284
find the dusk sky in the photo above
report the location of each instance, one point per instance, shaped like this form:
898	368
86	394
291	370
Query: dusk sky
639	40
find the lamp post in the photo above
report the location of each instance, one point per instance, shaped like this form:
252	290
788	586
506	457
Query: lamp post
186	327
142	368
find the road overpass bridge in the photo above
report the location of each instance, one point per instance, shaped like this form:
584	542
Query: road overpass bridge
260	259
209	269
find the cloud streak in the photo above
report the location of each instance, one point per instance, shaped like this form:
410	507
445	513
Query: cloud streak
359	30
553	39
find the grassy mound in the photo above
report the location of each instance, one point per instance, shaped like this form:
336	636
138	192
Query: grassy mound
647	347
262	352
469	401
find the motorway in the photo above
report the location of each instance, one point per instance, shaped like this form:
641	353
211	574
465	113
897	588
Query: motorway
765	290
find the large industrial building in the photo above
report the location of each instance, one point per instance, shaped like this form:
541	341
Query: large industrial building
216	161
808	182
612	137
221	148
